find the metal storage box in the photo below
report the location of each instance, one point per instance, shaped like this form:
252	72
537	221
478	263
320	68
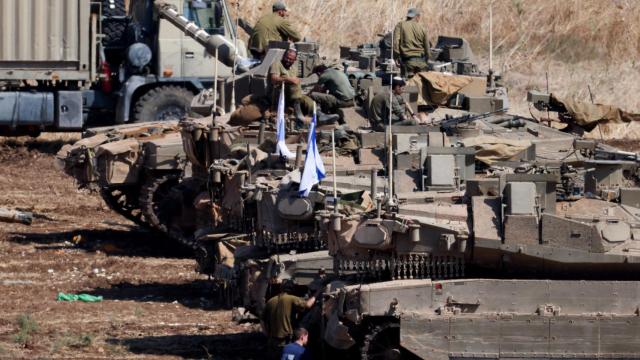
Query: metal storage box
46	39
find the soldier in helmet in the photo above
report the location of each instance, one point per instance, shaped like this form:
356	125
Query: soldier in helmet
381	106
410	44
272	27
277	317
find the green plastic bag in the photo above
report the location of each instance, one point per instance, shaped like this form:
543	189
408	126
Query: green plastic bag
78	297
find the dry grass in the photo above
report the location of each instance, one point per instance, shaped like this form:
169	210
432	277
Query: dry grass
577	42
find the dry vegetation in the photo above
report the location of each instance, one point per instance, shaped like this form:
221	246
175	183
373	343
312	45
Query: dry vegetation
579	43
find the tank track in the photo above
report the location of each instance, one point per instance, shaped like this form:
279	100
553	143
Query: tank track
152	193
382	342
124	201
169	211
406	266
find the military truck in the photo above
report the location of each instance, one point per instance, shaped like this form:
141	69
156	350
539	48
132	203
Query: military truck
66	64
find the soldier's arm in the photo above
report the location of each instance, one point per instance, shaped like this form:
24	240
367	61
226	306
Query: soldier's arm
396	41
287	31
425	45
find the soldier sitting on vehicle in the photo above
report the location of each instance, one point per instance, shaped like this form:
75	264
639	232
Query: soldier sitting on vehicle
277	317
272	27
333	91
410	44
380	107
286	72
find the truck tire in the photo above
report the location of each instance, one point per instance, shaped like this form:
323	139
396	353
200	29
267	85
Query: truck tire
114	24
113	8
168	102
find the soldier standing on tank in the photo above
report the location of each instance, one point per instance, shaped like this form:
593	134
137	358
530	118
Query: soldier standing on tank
279	315
333	91
272	27
380	107
285	72
411	45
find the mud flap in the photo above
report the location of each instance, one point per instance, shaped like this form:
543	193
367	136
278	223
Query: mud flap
337	334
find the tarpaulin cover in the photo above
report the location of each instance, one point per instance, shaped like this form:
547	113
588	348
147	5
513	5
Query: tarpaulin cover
435	88
490	149
601	121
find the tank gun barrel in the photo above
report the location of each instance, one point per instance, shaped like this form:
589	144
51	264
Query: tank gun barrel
216	45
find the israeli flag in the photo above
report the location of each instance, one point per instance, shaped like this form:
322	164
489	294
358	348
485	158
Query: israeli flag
313	167
282	148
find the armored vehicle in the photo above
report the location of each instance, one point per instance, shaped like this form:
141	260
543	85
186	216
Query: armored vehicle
132	166
483	209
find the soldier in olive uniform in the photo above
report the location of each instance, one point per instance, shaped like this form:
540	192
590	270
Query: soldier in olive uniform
410	44
272	27
379	110
286	72
279	315
333	91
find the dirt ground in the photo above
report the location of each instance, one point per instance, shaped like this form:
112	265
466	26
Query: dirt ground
155	305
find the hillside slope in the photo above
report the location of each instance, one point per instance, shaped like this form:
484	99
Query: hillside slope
578	43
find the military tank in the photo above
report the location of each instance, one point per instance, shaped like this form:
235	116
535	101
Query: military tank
132	166
494	236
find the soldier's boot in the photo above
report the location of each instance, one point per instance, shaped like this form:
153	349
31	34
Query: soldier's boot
299	115
326	119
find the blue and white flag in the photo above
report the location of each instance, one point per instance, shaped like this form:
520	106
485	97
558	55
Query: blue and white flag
282	148
313	167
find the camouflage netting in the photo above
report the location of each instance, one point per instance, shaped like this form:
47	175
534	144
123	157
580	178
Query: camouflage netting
600	121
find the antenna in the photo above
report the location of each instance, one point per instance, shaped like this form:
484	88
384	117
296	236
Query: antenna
389	128
492	84
235	44
491	35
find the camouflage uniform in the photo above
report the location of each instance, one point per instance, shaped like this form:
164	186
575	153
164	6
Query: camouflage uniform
379	111
411	47
292	93
271	27
340	93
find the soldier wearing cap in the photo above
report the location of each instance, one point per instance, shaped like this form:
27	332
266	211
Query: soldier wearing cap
272	27
411	45
381	106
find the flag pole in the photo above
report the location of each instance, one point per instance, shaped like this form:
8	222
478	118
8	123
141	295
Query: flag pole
389	128
335	181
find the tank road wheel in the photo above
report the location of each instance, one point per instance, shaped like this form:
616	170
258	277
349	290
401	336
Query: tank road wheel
382	342
175	211
152	193
124	201
163	103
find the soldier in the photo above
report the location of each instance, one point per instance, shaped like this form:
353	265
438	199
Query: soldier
333	90
410	44
277	317
272	27
379	110
286	71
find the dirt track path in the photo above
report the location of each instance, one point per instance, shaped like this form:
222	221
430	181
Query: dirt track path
155	305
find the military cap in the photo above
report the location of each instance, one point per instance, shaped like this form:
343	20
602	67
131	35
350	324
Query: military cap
280	5
413	12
